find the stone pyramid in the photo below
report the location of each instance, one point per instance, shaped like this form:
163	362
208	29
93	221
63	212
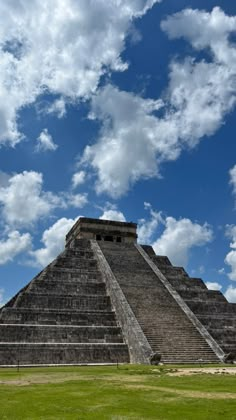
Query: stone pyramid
106	299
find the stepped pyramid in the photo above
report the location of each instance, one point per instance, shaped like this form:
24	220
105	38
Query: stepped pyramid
106	299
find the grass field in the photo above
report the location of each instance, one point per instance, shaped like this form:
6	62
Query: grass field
108	392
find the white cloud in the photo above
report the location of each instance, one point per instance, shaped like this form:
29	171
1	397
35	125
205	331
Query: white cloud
202	92
59	46
45	142
58	107
213	285
230	294
147	228
179	237
14	245
203	30
76	200
115	215
230	258
130	139
23	200
133	140
232	174
53	240
78	178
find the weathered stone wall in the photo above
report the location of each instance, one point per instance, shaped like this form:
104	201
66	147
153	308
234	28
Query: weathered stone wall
63	316
94	228
139	348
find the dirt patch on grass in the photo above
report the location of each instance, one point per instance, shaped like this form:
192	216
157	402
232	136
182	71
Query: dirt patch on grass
55	378
198	371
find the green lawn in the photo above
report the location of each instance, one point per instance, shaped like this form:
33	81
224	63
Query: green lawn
129	392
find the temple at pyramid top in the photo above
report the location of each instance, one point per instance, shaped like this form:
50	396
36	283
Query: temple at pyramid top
102	230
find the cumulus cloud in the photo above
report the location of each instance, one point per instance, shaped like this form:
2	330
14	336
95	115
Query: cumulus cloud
230	258
204	91
14	245
203	30
128	143
230	294
134	141
213	285
53	240
78	178
179	236
60	47
113	214
147	228
76	200
45	142
23	200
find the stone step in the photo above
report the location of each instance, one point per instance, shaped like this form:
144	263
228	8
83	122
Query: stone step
218	321
177	339
78	287
173	359
62	317
94	277
75	263
136	281
61	353
212	308
44	316
59	334
78	253
161	261
88	302
229	347
178	345
174	272
224	332
72	271
194	284
205	295
149	250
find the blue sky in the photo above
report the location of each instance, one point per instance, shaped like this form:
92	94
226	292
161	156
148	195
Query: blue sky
122	110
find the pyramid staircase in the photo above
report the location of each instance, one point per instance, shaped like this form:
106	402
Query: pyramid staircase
210	306
63	316
166	326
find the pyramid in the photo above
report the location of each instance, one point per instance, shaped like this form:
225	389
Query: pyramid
105	299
